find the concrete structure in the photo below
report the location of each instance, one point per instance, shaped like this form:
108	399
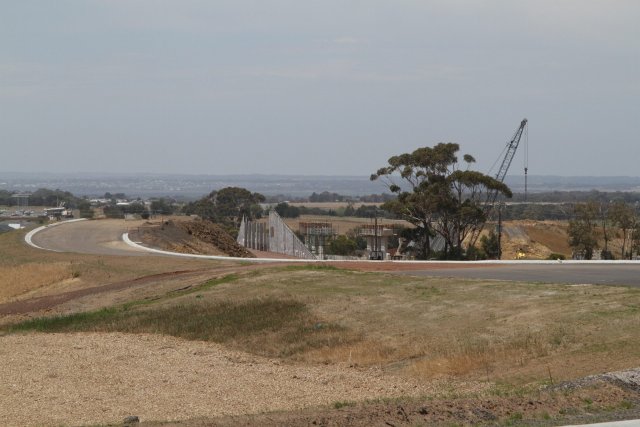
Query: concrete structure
377	237
276	236
317	236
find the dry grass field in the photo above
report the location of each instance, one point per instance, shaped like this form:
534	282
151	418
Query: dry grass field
341	225
426	328
382	335
26	272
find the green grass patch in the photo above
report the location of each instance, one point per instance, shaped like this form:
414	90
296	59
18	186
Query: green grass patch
67	323
311	267
268	326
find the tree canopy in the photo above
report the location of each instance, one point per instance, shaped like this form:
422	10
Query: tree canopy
582	233
227	206
438	196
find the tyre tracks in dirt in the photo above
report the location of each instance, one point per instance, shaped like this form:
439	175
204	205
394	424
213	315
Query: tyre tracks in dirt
181	279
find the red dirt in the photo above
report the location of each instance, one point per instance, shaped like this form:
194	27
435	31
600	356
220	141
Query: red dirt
43	303
34	305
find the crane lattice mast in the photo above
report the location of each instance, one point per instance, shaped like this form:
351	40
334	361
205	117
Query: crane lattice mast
502	173
506	162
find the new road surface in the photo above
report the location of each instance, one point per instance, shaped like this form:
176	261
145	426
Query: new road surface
104	237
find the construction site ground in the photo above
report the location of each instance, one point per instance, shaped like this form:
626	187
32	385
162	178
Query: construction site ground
536	239
87	378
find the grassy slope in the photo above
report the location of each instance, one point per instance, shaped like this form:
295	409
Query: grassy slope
25	271
510	333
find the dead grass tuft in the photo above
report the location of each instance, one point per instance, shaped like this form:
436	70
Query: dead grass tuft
364	353
468	353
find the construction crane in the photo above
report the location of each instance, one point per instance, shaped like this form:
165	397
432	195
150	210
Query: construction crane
506	162
512	146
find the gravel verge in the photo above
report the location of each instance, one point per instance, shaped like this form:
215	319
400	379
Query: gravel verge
93	378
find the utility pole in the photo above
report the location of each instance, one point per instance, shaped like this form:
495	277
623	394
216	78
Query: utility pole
525	183
375	233
375	250
500	231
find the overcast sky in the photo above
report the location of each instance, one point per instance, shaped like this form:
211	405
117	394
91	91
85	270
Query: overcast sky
316	87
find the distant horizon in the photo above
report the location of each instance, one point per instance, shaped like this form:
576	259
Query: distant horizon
133	174
190	186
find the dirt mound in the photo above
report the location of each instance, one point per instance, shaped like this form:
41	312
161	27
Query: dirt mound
192	237
535	239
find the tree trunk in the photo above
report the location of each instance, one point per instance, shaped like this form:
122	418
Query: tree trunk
604	232
426	245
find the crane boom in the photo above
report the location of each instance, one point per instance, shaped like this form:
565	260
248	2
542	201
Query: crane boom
502	173
506	162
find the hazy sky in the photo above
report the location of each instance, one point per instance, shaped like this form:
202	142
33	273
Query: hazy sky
316	87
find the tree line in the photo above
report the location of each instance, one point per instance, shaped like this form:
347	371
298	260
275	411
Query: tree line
42	197
596	221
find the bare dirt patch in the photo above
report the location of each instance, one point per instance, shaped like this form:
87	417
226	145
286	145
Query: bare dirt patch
192	237
596	400
45	303
90	378
537	239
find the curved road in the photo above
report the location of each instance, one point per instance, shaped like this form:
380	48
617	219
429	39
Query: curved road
104	237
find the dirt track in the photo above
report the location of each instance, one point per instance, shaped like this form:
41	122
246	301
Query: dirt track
103	295
47	302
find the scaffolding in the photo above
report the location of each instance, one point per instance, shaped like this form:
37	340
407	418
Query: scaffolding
22	201
317	236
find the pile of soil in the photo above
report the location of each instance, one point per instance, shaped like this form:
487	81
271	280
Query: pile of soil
200	237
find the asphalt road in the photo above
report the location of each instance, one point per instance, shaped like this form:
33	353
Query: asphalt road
596	274
104	237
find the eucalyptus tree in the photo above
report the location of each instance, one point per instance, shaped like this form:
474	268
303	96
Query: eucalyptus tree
623	216
582	229
227	206
438	196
